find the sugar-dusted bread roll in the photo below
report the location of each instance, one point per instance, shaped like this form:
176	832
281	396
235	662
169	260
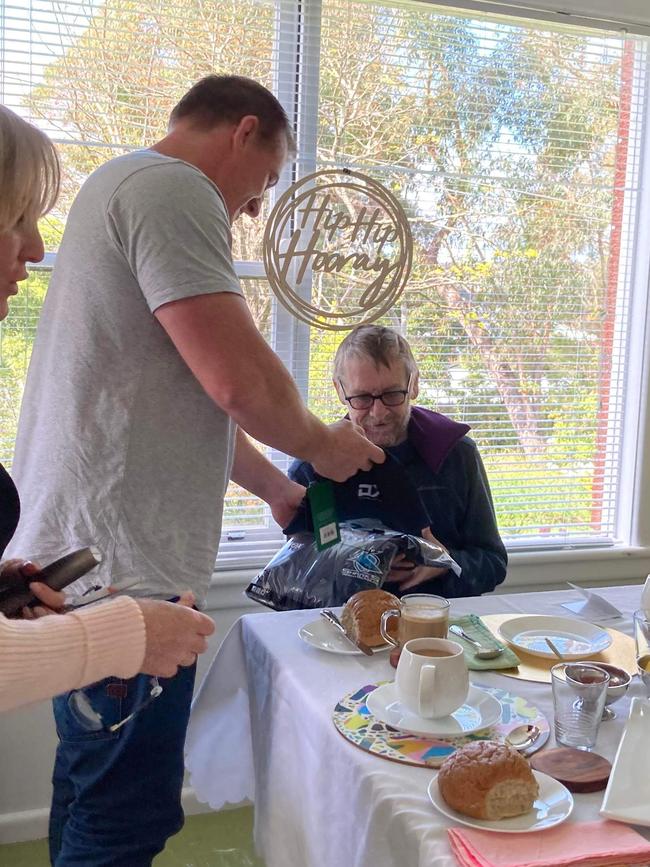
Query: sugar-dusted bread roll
487	780
362	612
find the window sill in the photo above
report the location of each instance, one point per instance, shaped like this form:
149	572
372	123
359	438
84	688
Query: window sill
577	554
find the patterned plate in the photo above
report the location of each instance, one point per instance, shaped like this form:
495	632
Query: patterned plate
355	722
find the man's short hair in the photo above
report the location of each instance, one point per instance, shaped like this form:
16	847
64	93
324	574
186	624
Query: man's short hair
379	344
218	99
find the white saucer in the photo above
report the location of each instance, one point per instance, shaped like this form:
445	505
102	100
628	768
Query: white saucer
553	806
575	639
480	711
319	633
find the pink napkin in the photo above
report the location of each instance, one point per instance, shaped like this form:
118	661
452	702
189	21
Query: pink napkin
584	844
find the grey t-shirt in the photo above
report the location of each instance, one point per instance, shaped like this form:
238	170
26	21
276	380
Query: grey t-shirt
118	445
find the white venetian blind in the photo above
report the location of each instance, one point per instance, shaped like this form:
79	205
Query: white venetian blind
515	149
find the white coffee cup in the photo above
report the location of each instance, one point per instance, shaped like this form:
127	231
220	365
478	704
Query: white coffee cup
432	678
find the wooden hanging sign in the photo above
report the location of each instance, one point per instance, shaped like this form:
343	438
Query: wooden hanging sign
337	249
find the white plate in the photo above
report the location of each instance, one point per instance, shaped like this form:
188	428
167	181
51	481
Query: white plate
321	634
480	711
627	796
553	805
575	639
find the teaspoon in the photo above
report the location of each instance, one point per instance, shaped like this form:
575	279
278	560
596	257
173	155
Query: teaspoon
481	651
522	737
554	649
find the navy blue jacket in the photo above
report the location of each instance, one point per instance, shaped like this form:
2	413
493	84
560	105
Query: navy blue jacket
447	475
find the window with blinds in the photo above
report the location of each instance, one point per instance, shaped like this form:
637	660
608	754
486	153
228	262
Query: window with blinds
515	148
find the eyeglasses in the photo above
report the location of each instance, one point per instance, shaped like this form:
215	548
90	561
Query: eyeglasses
395	397
91	720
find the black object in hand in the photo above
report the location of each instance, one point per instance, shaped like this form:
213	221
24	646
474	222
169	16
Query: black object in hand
15	594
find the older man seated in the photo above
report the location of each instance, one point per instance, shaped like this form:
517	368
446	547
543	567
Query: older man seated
376	376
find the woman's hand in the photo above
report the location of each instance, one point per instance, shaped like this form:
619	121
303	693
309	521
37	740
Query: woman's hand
53	601
176	634
14	572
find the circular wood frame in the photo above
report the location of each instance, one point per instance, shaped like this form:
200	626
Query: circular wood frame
374	301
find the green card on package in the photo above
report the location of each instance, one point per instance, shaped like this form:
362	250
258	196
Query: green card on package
323	514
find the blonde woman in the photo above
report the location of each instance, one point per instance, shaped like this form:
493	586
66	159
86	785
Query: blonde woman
41	658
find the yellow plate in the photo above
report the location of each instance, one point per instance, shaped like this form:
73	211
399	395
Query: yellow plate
620	653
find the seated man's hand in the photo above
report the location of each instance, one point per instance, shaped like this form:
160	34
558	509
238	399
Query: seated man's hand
408	574
407	578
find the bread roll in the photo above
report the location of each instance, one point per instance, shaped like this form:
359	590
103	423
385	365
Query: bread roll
487	780
362	612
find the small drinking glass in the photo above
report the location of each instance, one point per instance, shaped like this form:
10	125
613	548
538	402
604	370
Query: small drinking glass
642	643
579	693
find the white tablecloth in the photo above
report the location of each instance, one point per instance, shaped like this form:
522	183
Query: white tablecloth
261	729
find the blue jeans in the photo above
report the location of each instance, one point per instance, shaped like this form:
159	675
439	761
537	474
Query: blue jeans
117	796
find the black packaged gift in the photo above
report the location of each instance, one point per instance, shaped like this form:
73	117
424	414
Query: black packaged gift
301	576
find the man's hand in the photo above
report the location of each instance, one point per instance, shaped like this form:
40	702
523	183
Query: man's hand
176	635
346	451
408	575
285	505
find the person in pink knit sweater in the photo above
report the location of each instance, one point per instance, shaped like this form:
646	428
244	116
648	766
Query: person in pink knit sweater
41	657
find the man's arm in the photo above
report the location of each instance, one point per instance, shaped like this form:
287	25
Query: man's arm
254	472
217	338
482	556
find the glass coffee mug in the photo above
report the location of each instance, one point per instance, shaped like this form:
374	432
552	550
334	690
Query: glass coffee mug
420	615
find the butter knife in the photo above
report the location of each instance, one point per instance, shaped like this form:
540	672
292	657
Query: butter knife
333	619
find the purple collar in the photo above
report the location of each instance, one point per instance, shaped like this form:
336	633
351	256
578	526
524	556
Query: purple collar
434	435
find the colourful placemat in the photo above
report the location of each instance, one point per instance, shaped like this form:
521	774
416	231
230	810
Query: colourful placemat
357	725
538	669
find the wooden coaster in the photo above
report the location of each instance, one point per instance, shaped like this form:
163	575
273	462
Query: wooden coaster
579	770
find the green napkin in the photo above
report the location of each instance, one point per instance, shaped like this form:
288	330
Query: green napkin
476	629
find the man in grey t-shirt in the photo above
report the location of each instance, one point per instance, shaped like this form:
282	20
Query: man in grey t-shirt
146	373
